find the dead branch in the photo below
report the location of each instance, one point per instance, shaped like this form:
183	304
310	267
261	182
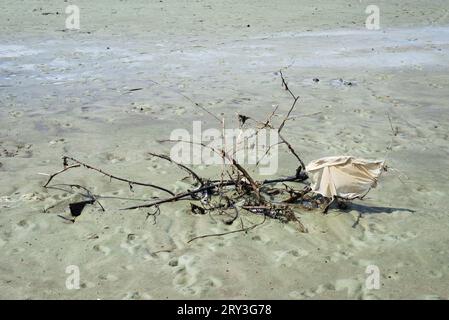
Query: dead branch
59	172
226	156
183	167
112	177
177	197
243	229
236	189
89	194
215	184
287	116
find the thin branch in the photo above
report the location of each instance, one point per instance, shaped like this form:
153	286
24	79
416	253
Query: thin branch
59	172
295	100
79	163
89	193
229	232
196	104
231	221
289	146
228	157
190	171
216	184
176	197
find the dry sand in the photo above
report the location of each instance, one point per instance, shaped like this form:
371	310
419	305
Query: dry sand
68	92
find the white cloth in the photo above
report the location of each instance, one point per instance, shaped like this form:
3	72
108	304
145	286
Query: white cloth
344	176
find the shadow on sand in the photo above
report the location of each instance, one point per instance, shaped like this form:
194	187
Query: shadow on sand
364	209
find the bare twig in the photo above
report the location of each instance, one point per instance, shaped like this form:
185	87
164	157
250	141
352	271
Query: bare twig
59	172
225	156
393	130
177	197
79	163
89	194
190	171
287	116
229	232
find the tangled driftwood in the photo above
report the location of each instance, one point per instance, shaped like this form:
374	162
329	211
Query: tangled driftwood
227	196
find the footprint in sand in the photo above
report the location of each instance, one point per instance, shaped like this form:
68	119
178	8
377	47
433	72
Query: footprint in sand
210	283
310	293
134	248
288	258
366	114
180	111
32	197
114	158
16	114
108	277
400	237
136	295
103	249
374	233
133	244
5	199
186	276
339	255
16	251
351	288
57	141
16	150
89	285
262	239
435	274
26	226
128	267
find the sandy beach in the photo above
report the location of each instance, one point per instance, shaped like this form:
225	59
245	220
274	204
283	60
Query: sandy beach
106	93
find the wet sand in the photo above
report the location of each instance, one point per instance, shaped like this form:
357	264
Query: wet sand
71	92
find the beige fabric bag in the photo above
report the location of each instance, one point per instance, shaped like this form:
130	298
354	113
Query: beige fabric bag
344	176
